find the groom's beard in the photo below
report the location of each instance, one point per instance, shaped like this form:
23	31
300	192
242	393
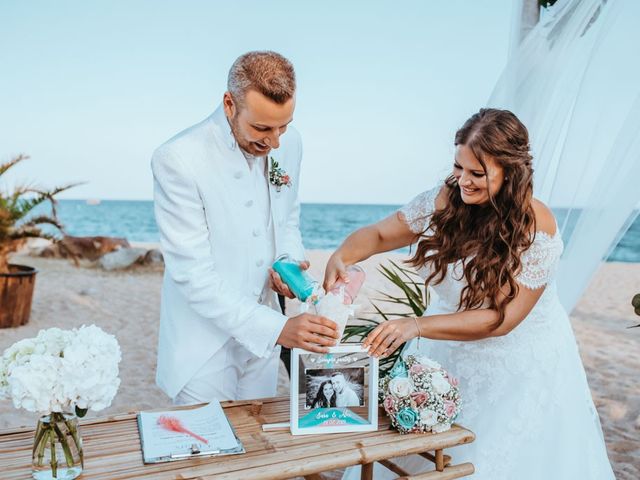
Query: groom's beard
246	145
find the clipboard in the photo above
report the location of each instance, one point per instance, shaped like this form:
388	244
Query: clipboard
181	448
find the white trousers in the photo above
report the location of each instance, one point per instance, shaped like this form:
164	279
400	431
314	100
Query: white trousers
232	373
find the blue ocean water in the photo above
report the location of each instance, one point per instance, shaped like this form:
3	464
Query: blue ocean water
324	226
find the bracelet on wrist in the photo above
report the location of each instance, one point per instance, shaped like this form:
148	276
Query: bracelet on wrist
415	319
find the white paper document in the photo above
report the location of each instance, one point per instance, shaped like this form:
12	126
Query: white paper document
181	434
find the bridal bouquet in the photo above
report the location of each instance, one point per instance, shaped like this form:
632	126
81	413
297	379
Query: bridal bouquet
420	396
60	374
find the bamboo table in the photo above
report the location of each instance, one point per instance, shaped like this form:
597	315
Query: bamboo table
112	450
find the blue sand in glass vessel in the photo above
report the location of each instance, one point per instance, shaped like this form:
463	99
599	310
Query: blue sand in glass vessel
301	284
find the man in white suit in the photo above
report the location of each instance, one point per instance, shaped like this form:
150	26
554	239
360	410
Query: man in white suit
345	396
226	205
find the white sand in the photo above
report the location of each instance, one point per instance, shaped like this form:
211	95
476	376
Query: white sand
127	304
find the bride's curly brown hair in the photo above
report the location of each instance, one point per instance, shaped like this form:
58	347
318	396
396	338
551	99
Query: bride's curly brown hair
489	238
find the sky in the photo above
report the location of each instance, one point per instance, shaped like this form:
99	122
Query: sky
90	89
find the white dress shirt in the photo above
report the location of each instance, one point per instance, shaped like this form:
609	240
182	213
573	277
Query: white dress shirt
260	202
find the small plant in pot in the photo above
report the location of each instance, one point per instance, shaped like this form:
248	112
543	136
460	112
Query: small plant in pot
17	224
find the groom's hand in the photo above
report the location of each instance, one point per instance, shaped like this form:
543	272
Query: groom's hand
310	332
278	286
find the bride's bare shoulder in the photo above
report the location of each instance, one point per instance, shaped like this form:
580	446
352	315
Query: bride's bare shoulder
545	221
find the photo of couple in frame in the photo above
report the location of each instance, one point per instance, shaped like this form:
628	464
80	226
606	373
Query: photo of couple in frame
338	387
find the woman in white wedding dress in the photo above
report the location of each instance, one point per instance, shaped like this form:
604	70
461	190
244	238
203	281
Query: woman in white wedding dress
489	251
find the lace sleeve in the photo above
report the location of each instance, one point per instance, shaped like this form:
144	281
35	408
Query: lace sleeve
416	213
540	260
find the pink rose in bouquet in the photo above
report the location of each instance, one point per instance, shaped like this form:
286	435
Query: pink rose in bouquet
388	404
419	398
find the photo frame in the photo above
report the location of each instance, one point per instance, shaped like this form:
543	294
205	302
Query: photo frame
335	392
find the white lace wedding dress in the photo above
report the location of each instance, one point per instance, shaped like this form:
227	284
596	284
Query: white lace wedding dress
525	394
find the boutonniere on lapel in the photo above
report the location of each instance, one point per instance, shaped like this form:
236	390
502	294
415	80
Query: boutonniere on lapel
277	176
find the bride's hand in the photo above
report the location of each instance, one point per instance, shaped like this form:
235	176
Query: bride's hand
335	270
389	335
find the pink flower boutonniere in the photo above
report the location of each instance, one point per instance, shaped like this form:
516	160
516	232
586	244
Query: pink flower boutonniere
277	176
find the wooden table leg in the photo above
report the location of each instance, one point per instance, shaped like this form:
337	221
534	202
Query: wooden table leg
367	471
432	458
439	460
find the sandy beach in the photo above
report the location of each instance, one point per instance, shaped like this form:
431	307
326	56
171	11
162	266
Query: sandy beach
127	305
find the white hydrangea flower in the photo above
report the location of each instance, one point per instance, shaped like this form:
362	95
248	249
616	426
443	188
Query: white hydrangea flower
20	349
91	365
35	386
52	341
60	369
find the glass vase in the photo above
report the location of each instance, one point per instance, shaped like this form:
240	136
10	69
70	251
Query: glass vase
57	448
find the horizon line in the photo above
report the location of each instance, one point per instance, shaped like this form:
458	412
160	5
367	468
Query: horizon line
151	200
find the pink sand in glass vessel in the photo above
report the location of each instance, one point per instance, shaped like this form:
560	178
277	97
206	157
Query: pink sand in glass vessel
356	279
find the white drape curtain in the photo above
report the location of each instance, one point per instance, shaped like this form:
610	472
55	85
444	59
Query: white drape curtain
575	83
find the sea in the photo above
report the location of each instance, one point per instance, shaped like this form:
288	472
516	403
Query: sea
323	226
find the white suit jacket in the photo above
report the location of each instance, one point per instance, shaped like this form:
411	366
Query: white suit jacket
212	290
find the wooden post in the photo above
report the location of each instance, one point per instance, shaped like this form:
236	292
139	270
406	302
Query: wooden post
367	471
439	460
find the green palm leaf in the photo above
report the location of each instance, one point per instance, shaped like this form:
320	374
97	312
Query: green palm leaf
412	294
15	210
7	165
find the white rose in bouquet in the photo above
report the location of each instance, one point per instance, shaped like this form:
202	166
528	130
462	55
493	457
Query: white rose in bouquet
400	387
428	418
441	427
440	384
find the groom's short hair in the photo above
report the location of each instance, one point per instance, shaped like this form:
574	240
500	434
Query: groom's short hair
267	72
